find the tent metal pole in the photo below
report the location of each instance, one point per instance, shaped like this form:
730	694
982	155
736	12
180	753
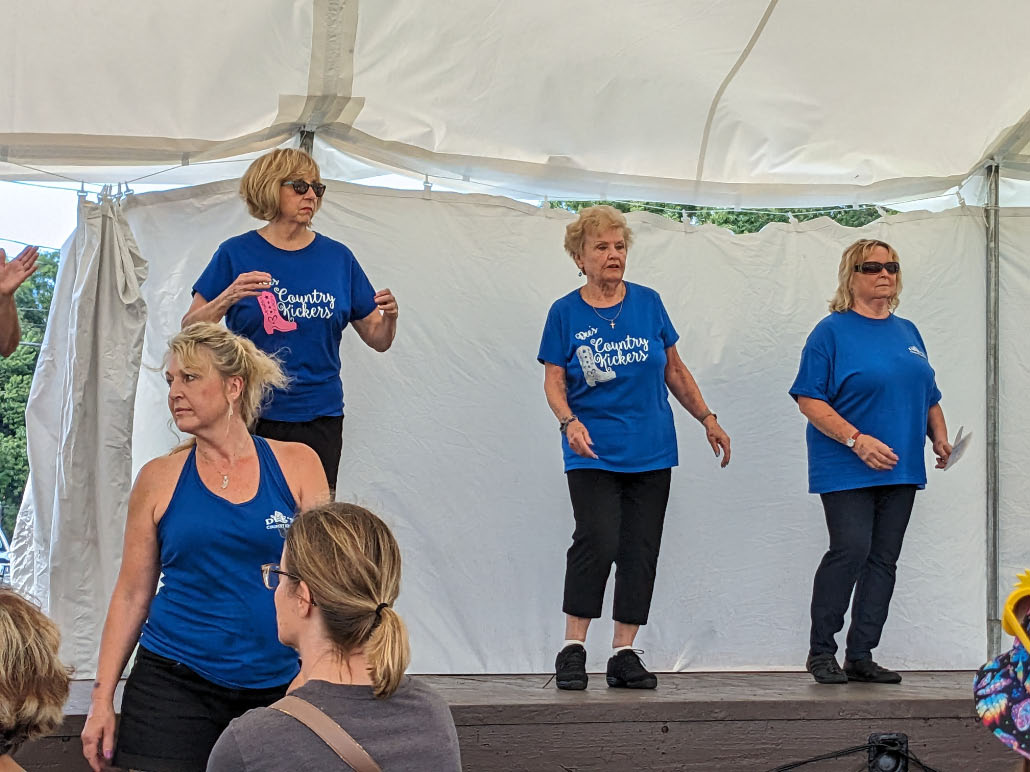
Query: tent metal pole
307	140
992	389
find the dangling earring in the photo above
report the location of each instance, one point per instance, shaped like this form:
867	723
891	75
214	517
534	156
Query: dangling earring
228	420
581	272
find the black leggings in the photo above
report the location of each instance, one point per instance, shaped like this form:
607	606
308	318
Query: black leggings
323	435
867	526
619	519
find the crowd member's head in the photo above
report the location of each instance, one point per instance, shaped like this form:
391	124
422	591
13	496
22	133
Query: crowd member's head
210	370
269	182
33	682
594	220
348	563
860	277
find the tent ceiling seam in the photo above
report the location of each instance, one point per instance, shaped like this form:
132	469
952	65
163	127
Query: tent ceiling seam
334	31
725	84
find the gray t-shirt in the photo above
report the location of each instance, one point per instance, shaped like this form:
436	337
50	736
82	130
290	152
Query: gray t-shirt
410	730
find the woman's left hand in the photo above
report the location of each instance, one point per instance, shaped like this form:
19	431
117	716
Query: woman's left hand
942	449
719	439
386	302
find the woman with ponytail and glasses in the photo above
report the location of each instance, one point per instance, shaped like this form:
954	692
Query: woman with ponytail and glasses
203	519
870	396
293	292
335	588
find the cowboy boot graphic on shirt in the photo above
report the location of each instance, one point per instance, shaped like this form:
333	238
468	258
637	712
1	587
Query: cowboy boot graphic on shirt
273	320
591	372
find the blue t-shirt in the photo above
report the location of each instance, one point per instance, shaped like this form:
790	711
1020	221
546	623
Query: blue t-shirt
615	378
876	375
316	291
213	612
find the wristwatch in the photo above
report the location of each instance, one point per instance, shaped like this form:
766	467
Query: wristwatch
850	441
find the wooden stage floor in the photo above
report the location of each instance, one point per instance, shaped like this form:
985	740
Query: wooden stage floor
698	722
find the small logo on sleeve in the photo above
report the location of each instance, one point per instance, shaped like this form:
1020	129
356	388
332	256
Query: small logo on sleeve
278	522
915	350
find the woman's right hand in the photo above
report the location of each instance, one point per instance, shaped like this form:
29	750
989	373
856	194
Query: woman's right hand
875	454
247	285
579	439
98	736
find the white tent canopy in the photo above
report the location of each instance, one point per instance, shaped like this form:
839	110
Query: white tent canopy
743	103
750	103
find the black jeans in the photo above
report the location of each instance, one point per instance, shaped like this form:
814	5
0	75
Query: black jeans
171	716
619	519
323	435
867	527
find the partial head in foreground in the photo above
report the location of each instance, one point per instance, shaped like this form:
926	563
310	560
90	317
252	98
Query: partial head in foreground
857	276
210	369
349	563
33	682
264	187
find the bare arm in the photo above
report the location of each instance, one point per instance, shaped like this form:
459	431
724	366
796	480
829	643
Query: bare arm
937	431
379	328
685	389
823	417
130	603
12	274
304	473
557	399
246	285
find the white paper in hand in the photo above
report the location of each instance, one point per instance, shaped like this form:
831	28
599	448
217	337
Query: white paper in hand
958	447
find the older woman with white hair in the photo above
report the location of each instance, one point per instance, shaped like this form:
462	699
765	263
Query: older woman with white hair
866	386
204	519
610	361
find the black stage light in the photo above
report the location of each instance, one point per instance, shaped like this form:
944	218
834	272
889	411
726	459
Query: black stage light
889	752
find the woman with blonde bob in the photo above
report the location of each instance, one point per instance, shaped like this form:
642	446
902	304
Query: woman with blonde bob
293	291
33	682
335	589
871	399
204	519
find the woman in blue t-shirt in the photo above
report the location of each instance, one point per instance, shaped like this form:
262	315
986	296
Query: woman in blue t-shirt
610	360
293	291
870	396
203	519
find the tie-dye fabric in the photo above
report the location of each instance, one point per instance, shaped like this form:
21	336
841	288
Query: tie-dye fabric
1002	700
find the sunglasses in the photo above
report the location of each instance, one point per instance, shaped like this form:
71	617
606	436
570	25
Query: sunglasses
872	267
300	187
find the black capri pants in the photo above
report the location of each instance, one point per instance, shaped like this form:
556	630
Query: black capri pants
619	519
323	435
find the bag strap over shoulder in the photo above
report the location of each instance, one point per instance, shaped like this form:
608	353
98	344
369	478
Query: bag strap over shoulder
334	735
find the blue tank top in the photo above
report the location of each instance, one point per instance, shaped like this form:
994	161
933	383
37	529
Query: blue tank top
212	611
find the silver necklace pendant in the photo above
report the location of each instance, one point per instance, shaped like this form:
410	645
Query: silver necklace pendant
225	481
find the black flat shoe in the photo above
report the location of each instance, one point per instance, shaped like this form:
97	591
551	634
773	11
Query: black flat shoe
825	670
869	672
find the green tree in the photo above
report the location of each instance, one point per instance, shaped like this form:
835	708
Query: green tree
33	301
738	221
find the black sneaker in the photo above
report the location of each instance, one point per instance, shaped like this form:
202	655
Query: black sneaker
570	668
626	671
868	671
825	670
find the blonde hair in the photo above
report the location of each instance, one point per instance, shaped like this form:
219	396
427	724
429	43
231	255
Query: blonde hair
33	682
352	566
596	218
263	179
844	299
230	355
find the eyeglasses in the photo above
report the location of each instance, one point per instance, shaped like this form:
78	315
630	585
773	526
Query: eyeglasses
872	267
300	187
270	573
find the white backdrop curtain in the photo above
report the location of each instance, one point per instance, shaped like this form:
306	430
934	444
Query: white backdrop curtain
448	436
67	544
